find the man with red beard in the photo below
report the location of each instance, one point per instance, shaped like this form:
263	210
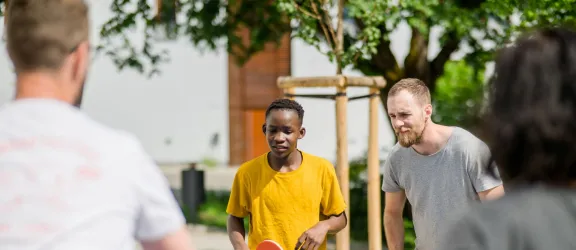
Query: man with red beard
440	169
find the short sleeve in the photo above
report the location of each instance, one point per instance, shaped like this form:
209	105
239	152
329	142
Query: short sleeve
159	213
332	202
239	197
389	179
482	170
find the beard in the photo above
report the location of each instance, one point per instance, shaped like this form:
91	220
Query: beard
411	137
78	101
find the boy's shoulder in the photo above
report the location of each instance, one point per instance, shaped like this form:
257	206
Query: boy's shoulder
317	161
252	166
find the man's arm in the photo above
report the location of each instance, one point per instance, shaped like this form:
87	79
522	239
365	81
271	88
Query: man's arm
491	194
179	240
236	232
160	223
393	220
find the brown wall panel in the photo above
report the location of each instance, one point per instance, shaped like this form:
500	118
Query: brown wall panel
253	87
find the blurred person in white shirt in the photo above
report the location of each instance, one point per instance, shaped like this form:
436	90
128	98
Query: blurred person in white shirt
68	182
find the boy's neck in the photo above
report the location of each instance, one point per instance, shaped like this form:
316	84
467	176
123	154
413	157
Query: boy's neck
288	163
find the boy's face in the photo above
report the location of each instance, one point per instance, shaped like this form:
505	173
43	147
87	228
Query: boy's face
283	129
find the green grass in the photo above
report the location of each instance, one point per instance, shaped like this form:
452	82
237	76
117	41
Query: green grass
213	211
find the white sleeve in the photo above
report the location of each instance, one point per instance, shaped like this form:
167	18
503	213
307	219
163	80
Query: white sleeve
159	213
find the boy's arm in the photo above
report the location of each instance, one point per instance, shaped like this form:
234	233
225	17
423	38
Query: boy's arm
335	223
314	237
332	202
237	210
236	232
333	206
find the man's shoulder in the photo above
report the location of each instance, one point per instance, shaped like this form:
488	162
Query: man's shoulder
398	152
461	135
115	138
466	141
63	120
521	205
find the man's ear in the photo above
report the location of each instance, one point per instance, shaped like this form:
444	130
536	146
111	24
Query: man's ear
428	111
264	128
302	133
81	57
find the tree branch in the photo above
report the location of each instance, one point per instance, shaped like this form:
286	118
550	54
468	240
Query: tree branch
453	43
340	36
305	12
324	26
383	62
416	62
328	22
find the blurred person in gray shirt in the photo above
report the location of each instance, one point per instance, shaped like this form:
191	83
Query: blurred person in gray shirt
531	130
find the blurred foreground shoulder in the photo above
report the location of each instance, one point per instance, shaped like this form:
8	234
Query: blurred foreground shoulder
531	219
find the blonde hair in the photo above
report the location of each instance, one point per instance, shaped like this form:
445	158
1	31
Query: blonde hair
40	34
414	86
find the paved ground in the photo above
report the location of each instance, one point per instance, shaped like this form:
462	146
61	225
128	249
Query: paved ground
206	239
218	179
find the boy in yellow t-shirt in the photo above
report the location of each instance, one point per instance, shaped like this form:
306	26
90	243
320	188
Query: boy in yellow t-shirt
285	192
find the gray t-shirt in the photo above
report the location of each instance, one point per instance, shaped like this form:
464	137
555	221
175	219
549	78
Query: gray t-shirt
535	219
440	184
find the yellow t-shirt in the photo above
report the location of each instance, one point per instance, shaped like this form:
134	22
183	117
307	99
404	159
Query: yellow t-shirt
282	206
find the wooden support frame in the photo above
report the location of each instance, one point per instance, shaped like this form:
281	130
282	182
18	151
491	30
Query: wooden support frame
341	83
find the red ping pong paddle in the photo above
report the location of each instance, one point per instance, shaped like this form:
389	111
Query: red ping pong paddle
268	245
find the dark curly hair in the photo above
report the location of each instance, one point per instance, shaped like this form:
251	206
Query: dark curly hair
286	104
530	122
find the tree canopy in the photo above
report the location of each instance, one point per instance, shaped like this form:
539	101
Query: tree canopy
366	30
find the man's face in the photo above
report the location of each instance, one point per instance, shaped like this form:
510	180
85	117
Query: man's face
283	129
408	117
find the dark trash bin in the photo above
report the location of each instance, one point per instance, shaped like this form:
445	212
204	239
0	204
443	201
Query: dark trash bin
193	191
